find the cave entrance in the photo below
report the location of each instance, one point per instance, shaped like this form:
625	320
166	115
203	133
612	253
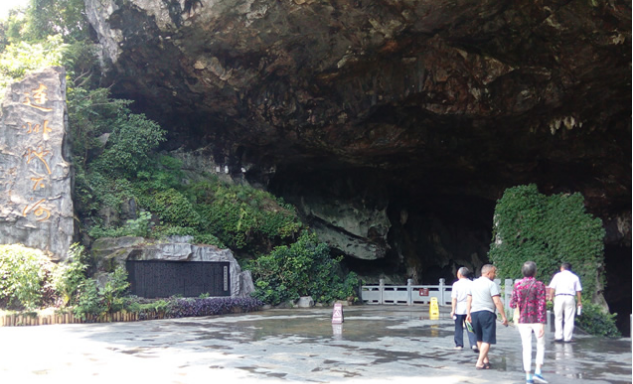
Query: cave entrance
618	292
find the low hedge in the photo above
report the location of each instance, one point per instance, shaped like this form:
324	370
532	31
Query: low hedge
134	309
212	306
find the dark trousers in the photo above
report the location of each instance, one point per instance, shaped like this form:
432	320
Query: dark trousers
459	333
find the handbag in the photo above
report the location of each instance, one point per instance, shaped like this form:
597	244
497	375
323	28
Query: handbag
469	326
517	312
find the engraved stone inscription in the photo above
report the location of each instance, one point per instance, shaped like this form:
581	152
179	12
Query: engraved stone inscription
35	199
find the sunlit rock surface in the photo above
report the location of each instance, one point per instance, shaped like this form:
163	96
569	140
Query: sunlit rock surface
36	207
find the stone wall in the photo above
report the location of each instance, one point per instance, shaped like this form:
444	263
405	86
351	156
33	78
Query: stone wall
36	207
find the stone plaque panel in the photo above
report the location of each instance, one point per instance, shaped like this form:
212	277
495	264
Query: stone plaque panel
159	278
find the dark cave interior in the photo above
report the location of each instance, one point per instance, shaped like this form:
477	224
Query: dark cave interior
442	232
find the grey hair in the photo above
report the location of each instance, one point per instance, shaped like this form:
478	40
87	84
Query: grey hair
464	271
529	269
486	268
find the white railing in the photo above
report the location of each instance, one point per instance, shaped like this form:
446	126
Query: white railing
419	294
406	294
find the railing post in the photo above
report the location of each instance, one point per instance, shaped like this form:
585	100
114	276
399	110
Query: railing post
441	300
498	282
508	293
409	291
381	291
549	322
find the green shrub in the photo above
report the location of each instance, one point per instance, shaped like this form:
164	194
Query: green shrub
164	231
89	303
23	273
93	302
595	321
130	146
148	309
172	207
70	274
304	268
243	217
91	113
140	226
171	163
548	230
155	180
136	227
115	289
207	238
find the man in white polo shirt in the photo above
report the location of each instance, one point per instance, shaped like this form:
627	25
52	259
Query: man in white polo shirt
564	289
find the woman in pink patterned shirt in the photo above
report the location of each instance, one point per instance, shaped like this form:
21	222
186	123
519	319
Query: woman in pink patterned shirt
529	296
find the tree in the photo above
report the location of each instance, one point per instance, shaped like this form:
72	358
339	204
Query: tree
19	58
52	17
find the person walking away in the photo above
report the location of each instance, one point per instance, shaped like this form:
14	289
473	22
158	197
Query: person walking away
565	290
529	296
459	294
482	300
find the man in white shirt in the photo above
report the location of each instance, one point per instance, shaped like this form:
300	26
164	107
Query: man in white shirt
459	295
482	300
564	289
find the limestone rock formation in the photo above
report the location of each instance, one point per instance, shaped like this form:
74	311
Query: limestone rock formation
36	207
439	106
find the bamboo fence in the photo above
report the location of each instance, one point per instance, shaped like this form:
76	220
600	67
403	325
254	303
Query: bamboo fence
30	319
17	320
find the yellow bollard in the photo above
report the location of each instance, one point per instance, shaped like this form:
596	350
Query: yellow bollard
434	310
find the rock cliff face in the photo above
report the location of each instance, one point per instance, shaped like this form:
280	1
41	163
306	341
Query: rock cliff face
36	207
392	125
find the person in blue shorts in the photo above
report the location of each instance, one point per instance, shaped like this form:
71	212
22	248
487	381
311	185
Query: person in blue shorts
482	300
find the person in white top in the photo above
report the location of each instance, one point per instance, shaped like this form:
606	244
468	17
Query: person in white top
459	294
564	289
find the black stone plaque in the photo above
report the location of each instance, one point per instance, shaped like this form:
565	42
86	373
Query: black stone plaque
158	278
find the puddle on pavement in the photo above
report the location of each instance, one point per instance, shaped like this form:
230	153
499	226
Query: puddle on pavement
259	371
311	327
590	357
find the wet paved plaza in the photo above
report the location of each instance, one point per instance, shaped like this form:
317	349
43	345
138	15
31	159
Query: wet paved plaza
376	344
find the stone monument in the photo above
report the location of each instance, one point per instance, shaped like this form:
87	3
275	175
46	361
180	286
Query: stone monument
36	207
173	266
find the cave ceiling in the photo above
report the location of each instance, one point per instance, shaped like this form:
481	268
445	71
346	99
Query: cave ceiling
457	97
